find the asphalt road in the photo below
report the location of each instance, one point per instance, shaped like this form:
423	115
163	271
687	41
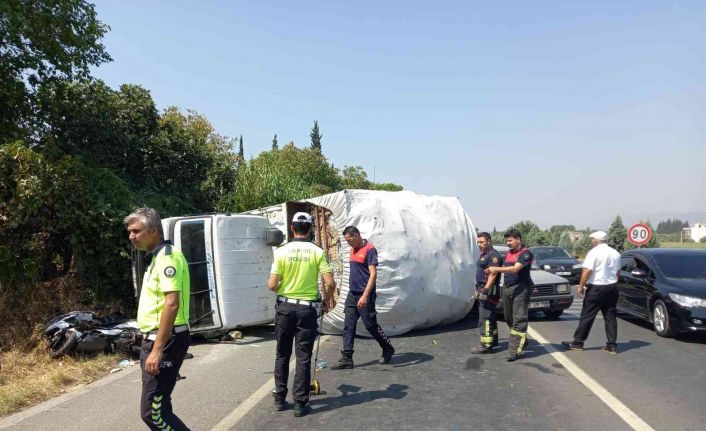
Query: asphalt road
433	383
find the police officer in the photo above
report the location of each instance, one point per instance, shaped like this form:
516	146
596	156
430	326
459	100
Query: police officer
163	317
294	276
515	291
360	301
488	292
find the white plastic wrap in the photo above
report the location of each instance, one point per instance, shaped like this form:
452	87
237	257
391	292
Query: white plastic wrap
426	251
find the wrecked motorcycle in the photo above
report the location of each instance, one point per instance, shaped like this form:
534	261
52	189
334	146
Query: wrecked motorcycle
85	332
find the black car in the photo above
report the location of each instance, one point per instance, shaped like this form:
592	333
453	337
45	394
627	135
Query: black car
557	261
666	287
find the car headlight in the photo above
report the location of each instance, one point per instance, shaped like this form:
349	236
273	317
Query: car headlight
562	288
687	301
547	267
534	266
577	266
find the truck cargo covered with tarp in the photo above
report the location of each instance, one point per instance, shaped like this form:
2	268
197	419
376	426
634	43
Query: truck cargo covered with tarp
426	251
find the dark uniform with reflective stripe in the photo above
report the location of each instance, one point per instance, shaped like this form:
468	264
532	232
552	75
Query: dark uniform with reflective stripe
487	318
516	292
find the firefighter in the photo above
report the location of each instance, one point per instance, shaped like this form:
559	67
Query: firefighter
488	292
515	291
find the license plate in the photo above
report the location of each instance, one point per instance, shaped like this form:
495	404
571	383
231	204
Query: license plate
563	273
539	304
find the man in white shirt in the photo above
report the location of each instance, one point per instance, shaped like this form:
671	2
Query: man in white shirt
599	288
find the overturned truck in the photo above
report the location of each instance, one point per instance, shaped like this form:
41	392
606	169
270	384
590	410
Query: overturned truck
426	251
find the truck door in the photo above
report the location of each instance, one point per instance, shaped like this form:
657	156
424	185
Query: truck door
193	236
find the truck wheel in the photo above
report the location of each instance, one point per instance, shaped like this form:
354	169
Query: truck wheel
553	314
63	345
660	320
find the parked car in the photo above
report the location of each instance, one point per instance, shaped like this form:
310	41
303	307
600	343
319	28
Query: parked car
550	294
666	287
558	261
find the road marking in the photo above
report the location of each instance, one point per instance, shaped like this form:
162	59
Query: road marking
244	408
632	419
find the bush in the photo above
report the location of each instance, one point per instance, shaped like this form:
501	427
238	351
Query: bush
703	239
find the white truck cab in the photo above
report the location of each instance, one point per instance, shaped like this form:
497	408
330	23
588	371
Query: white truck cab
229	259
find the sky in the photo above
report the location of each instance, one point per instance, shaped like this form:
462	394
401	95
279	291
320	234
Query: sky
555	112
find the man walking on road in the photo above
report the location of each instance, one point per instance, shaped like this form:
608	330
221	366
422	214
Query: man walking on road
488	292
515	292
360	301
294	276
163	317
599	288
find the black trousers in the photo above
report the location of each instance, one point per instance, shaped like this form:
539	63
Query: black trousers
515	303
488	323
156	402
603	298
294	324
369	317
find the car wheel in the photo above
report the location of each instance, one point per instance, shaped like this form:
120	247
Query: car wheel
660	320
553	314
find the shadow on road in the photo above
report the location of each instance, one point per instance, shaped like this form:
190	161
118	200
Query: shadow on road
404	359
352	395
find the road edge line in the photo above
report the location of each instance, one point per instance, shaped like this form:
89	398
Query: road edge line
244	408
623	411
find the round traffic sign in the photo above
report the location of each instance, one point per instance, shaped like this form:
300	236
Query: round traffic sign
639	234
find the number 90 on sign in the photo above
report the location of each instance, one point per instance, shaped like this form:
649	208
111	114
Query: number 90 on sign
639	234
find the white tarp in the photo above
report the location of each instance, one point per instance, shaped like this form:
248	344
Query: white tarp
426	250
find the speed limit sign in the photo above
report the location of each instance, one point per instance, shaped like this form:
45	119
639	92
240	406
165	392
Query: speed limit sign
639	234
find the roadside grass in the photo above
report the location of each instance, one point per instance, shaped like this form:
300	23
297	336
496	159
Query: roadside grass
701	245
30	377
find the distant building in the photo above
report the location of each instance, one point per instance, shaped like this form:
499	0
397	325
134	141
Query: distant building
695	232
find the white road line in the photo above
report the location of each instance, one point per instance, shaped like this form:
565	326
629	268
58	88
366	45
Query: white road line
243	408
632	419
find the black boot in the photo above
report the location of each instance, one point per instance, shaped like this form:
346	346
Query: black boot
346	361
280	403
387	355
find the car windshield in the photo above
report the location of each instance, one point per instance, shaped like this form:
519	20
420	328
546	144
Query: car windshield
551	253
682	265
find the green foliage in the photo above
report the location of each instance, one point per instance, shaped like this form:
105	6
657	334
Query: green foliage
583	245
561	228
532	235
315	137
389	187
565	241
617	234
274	143
671	226
43	41
703	239
355	177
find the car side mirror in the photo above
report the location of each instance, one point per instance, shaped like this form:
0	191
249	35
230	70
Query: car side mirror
274	237
639	273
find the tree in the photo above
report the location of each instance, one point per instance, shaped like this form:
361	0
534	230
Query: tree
617	234
274	142
43	41
241	153
565	241
583	245
355	177
561	228
316	137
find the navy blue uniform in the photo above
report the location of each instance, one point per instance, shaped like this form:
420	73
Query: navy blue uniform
361	259
516	289
487	319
